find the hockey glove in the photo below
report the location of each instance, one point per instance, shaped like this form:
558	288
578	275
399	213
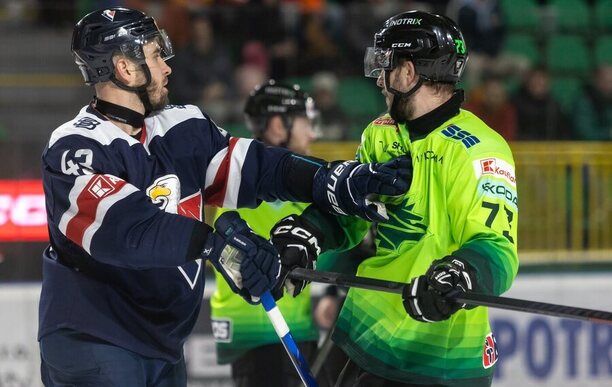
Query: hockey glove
298	243
343	188
424	299
249	263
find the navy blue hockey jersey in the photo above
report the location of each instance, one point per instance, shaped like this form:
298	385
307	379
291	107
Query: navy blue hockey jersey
123	216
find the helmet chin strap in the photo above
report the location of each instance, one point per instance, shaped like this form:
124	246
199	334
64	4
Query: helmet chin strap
398	94
141	91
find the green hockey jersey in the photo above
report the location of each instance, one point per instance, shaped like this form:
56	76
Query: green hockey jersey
238	326
462	201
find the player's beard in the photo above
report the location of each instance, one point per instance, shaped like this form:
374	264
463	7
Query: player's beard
402	108
158	97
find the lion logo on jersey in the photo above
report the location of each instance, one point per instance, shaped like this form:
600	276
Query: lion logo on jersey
165	192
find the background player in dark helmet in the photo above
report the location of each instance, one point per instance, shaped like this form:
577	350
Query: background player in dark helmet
125	182
278	115
282	115
447	233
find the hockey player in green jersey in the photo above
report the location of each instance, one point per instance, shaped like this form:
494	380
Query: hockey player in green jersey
455	229
278	115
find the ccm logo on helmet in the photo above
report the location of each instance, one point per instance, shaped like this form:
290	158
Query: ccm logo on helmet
401	45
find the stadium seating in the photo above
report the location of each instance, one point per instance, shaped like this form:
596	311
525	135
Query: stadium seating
602	13
524	45
603	50
568	55
571	15
521	15
566	90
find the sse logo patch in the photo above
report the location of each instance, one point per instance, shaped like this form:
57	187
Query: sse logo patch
456	133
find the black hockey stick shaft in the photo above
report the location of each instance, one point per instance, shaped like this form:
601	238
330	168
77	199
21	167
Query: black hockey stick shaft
470	298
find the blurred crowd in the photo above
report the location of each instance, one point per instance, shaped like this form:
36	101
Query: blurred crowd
225	48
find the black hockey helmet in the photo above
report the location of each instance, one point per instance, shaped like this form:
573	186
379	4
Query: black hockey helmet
433	43
101	34
271	99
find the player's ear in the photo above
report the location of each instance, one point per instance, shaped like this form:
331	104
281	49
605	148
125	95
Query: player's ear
410	71
124	69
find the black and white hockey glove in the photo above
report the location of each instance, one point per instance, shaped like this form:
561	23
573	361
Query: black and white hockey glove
248	262
343	188
298	243
424	298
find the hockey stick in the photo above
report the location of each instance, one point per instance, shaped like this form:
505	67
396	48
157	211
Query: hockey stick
282	330
598	316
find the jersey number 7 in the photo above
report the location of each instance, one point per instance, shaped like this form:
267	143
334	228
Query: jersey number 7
494	207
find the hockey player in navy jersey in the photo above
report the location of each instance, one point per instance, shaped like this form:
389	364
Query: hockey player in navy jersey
125	182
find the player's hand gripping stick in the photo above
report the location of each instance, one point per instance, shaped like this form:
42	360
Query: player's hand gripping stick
232	258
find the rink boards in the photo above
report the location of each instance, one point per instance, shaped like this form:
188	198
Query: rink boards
534	350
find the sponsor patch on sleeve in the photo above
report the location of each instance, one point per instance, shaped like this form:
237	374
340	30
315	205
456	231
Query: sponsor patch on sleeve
496	168
384	121
489	352
495	190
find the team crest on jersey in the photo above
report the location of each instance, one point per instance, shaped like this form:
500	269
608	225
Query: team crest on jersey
412	226
489	352
109	14
165	192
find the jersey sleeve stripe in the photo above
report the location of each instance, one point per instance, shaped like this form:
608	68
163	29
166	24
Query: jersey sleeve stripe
237	159
215	192
213	168
227	171
90	198
103	207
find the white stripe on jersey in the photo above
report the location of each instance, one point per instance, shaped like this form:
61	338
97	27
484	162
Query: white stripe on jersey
234	176
104	133
213	167
101	211
163	121
79	184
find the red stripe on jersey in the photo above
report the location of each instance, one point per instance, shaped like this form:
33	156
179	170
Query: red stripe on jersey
88	200
143	136
215	193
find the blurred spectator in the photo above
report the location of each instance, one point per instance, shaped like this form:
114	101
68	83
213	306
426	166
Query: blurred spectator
490	102
253	71
318	51
271	22
57	13
484	30
333	122
202	73
593	110
539	114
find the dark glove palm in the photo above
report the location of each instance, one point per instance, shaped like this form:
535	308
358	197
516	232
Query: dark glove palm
424	299
249	263
298	243
344	187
